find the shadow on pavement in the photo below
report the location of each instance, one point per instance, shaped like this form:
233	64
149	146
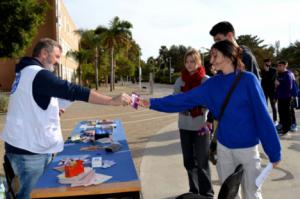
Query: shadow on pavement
165	149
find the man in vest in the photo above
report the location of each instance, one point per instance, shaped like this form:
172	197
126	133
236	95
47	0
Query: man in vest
32	131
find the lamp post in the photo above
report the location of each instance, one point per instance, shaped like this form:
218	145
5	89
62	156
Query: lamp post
202	52
151	75
140	72
96	68
170	73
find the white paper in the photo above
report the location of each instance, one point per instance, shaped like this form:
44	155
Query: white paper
97	162
63	104
88	177
263	175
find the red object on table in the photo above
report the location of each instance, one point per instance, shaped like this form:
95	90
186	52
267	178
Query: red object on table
74	168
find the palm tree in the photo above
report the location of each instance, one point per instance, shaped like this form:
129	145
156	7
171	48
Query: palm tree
91	42
118	34
81	57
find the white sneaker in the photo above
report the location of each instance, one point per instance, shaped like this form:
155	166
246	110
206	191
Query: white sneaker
275	123
279	126
294	128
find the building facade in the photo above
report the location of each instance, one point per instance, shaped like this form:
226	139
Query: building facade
59	26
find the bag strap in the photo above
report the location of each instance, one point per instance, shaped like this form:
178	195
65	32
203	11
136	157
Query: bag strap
233	86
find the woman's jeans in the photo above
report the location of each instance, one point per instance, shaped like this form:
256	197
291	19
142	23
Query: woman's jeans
195	149
28	168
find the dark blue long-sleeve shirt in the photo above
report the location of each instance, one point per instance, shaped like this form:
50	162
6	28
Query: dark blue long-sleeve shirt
284	89
46	85
246	120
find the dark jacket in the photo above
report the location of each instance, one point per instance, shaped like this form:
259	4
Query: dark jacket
250	61
268	81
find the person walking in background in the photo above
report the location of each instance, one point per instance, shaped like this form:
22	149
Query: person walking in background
294	102
268	77
245	122
194	144
32	130
284	85
225	31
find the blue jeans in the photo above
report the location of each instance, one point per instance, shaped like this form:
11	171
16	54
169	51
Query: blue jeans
28	168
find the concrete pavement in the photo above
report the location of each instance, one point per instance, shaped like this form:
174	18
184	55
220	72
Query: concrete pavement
163	175
154	141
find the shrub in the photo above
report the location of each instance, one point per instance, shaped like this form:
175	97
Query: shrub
3	102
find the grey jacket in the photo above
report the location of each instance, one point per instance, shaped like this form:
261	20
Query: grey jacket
186	121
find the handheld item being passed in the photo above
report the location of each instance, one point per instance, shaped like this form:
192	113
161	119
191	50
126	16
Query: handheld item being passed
135	98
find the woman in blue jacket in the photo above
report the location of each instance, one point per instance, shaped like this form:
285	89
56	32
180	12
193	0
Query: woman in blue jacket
245	121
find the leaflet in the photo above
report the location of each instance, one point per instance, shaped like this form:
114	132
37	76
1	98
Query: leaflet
263	175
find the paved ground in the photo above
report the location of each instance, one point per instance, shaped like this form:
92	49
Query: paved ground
154	141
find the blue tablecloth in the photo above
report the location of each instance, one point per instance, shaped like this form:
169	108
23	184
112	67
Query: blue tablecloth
122	171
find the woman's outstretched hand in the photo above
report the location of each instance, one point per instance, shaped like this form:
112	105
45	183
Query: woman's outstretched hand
144	103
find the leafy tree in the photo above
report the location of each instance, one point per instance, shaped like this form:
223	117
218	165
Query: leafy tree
260	50
125	67
177	54
174	57
152	64
81	56
91	42
118	34
134	54
291	54
163	56
88	74
19	24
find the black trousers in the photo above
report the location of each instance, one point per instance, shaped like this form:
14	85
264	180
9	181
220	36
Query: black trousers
285	114
195	150
273	105
293	114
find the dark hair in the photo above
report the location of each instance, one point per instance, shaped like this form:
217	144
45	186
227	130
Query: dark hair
267	60
229	50
282	62
47	44
223	27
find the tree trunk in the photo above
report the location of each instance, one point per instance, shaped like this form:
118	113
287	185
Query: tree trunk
122	80
106	80
80	74
114	74
111	68
96	68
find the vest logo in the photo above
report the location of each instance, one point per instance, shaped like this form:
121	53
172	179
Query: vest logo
16	83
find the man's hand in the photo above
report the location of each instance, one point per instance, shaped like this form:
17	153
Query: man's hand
123	99
61	111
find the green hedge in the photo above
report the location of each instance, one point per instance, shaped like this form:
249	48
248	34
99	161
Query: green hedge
3	102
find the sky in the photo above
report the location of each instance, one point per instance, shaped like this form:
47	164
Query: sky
188	22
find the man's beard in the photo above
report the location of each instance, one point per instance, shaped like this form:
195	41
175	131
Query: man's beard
49	66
